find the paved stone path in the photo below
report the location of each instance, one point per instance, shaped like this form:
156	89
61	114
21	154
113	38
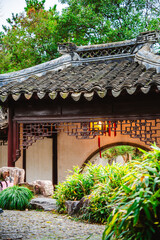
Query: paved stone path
45	226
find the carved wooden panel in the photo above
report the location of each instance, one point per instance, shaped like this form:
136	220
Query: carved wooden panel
148	131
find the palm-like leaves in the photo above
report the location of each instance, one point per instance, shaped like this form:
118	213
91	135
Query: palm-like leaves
136	214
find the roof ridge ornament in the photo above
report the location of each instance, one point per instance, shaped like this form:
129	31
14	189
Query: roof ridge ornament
147	58
67	47
148	37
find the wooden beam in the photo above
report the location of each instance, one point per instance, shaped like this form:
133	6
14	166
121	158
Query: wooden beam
24	163
10	140
122	107
14	140
54	163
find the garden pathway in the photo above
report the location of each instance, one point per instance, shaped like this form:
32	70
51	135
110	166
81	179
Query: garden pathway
40	225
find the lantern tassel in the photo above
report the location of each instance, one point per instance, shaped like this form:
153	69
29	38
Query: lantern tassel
115	133
109	129
99	145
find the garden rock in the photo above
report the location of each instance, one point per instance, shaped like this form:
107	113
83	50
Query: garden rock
74	207
14	173
34	188
84	202
45	187
1	211
47	204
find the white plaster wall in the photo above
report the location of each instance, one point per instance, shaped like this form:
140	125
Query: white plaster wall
39	161
3	156
71	152
74	152
19	162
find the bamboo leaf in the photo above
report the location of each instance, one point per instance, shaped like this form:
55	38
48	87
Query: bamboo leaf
147	212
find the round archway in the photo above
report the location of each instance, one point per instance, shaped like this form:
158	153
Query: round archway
111	145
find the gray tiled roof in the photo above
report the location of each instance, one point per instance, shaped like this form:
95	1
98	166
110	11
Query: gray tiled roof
87	78
87	70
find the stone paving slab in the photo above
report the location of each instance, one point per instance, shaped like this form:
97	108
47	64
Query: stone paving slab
37	225
47	204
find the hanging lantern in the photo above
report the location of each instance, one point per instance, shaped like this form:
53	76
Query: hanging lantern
100	128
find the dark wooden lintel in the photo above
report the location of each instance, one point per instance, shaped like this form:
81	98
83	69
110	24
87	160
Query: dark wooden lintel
122	107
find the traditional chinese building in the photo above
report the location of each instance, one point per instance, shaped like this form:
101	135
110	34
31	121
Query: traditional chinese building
61	113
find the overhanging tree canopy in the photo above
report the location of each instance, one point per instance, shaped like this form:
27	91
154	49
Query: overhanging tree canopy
32	37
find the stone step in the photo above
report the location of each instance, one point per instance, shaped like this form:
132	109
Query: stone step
47	204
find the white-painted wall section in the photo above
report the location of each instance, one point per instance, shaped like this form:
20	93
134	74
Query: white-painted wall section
74	152
39	161
3	156
71	152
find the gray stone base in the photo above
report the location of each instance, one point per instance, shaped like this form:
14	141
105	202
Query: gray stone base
47	204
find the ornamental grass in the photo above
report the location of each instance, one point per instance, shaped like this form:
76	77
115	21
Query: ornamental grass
15	198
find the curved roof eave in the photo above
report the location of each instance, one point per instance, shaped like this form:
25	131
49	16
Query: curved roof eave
87	70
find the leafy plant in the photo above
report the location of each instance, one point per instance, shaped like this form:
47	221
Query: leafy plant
122	150
98	210
126	197
74	188
31	38
136	213
88	21
34	4
15	198
96	183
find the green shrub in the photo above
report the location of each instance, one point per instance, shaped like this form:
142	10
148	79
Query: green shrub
126	197
136	214
97	183
98	210
122	150
74	188
78	185
15	198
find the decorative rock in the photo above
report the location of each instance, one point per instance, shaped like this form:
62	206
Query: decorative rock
47	204
74	207
84	202
1	211
15	173
45	187
34	188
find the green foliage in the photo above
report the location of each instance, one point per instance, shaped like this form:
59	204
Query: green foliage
136	213
74	188
126	197
101	192
31	39
37	5
97	183
88	21
15	198
122	150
